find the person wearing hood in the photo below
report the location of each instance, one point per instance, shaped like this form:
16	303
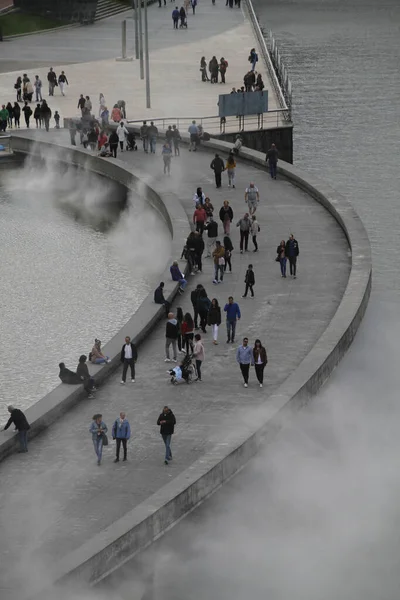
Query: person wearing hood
21	424
245	225
129	356
217	165
121	432
171	337
96	356
167	422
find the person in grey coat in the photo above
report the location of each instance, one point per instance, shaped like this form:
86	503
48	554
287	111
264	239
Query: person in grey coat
245	225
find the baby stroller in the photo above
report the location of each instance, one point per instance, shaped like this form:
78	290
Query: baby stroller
131	141
184	372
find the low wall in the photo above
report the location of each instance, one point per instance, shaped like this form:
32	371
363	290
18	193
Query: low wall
115	545
49	409
262	139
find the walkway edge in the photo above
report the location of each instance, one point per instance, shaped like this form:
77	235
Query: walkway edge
118	543
64	397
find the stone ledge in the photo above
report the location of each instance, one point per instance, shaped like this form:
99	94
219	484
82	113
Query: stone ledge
64	397
109	549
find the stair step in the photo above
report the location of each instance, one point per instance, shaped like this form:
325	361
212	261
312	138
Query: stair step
109	8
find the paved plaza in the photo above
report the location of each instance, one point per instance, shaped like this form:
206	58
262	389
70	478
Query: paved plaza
57	497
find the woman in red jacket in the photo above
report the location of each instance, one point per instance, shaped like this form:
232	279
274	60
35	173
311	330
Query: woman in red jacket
187	329
199	218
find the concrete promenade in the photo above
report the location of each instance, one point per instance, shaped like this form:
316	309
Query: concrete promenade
56	497
176	87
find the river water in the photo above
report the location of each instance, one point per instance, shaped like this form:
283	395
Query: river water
316	515
72	268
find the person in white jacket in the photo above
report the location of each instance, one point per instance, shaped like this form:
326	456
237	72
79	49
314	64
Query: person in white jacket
122	132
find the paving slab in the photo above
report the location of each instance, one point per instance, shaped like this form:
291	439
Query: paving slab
56	497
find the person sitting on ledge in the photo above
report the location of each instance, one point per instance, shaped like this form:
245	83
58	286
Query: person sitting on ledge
83	371
105	151
178	276
96	356
159	298
69	377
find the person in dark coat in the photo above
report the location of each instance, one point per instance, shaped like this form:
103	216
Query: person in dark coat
113	141
213	68
203	69
121	432
260	360
46	114
249	280
129	357
10	110
68	376
26	109
226	216
214	319
159	298
203	306
21	425
217	165
83	372
37	115
228	253
17	114
182	15
272	160
167	422
292	252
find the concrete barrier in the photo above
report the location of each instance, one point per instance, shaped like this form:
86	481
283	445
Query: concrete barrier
49	409
109	549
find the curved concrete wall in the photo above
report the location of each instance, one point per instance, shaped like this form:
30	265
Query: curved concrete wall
48	409
118	543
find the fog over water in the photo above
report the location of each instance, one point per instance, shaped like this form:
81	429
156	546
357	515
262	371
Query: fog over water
71	270
316	515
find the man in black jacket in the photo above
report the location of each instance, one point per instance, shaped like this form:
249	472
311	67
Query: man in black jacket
171	337
52	79
292	252
217	165
212	234
272	160
199	249
159	298
129	356
167	423
21	424
193	298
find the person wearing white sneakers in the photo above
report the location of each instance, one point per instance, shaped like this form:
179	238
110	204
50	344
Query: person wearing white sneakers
129	357
260	360
171	337
245	358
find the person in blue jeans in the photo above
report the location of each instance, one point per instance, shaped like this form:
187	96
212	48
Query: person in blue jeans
281	257
21	425
272	160
232	316
98	429
292	252
177	275
121	432
96	356
167	423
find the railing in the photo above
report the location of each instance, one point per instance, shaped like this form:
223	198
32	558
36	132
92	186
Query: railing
215	125
280	68
284	99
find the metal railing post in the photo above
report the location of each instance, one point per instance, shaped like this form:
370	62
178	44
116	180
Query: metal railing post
140	39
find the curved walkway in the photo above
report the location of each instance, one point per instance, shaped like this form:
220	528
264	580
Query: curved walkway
56	498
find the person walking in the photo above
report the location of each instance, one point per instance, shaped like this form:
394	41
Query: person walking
255	229
113	141
199	354
253	58
260	360
182	16
98	429
37	84
194	4
199	197
199	218
226	216
231	167
212	234
187	331
214	319
249	280
203	305
129	356
228	253
17	114
223	65
122	132
21	424
18	88
193	298
175	17
166	153
52	79
219	262
252	198
46	114
208	207
4	114
232	316
179	319
198	250
272	160
217	165
57	119
245	358
281	257
245	226
176	138
81	104
62	82
167	422
10	110
144	136
203	69
194	136
171	337
121	432
292	252
26	109
152	135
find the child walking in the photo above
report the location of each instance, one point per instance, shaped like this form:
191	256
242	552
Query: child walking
249	281
57	119
198	352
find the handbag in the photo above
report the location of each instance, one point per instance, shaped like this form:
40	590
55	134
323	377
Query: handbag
277	259
105	439
221	261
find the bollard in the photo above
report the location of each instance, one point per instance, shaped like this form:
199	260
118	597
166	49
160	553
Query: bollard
124	57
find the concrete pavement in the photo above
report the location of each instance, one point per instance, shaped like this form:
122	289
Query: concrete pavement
56	497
